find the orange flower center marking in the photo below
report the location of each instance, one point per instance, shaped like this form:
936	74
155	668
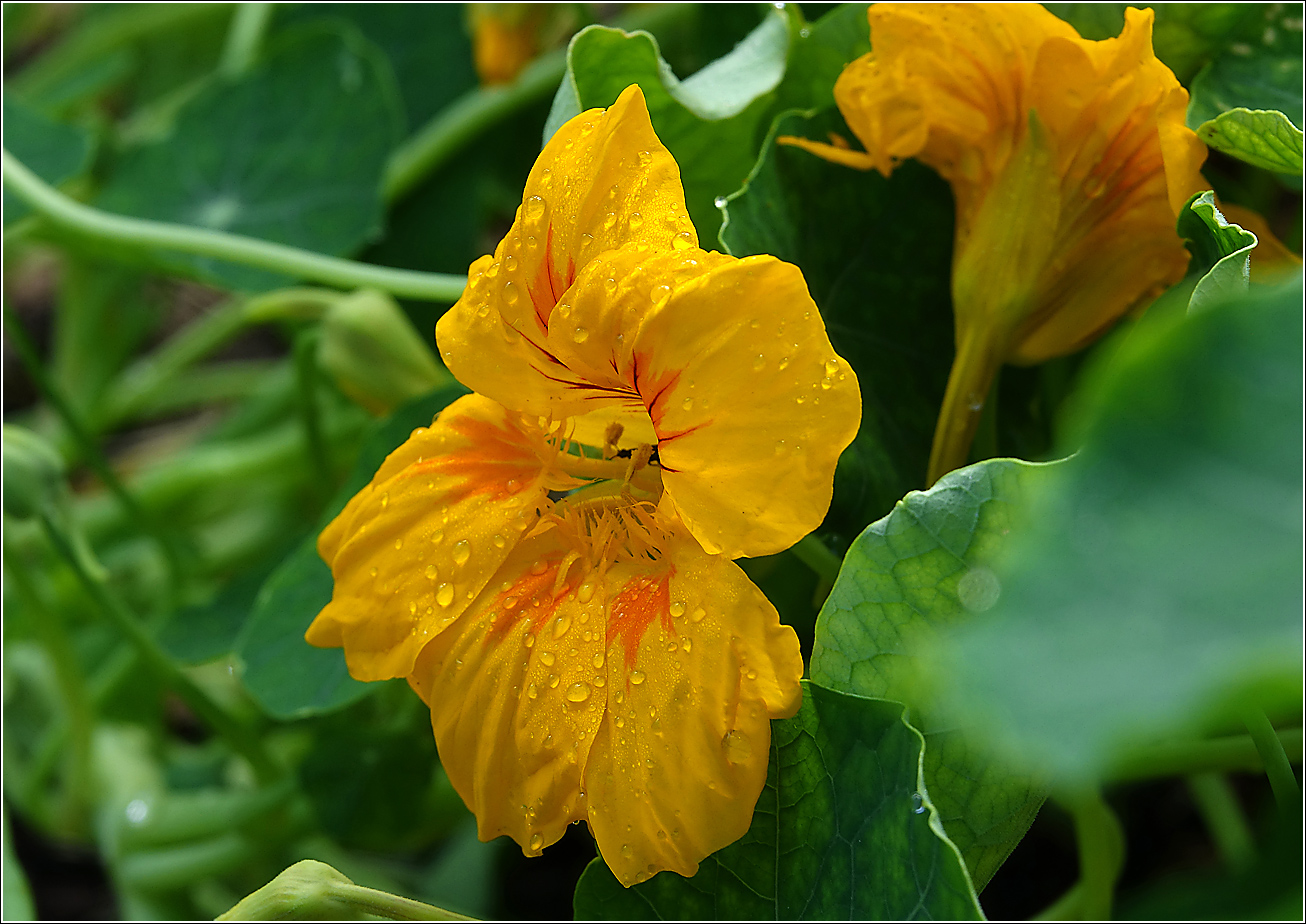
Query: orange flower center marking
643	599
548	285
534	595
497	461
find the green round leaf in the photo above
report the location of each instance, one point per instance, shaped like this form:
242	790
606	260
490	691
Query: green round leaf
292	153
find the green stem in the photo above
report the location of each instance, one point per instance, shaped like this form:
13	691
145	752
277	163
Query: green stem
969	384
207	385
150	378
1101	843
237	735
816	555
306	342
462	121
1219	808
89	448
150	235
1277	767
50	629
1232	753
393	907
249	24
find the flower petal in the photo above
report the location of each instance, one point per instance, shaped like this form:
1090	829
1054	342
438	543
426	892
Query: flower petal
698	664
411	549
516	696
604	181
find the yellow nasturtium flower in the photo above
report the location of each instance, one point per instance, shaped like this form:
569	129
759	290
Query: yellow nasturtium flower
550	563
1069	161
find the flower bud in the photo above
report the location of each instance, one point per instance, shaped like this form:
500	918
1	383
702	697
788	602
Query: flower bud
370	349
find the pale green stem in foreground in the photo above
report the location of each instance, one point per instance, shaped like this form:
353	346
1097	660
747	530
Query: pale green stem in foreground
1228	754
1218	805
1277	767
311	890
1101	843
157	235
249	24
241	738
816	555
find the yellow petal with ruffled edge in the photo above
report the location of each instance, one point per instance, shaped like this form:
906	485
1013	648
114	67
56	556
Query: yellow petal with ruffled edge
640	697
516	696
602	182
414	547
729	361
698	665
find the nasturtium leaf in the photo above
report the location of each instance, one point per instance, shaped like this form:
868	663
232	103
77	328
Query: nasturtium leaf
710	122
1221	251
1257	80
286	676
713	121
876	254
919	570
426	44
1185	35
818	54
843	829
53	151
1155	588
202	632
293	152
1262	137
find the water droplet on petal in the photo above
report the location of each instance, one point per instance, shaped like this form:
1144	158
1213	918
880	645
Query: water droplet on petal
580	335
585	593
610	286
462	551
626	851
432	572
737	747
548	658
533	208
609	220
578	692
687	404
682	241
399	544
598	659
645	157
444	594
510	264
677	609
553	681
536	841
499	541
760	363
561	626
510	293
385	500
635	221
637	677
698	614
437	537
